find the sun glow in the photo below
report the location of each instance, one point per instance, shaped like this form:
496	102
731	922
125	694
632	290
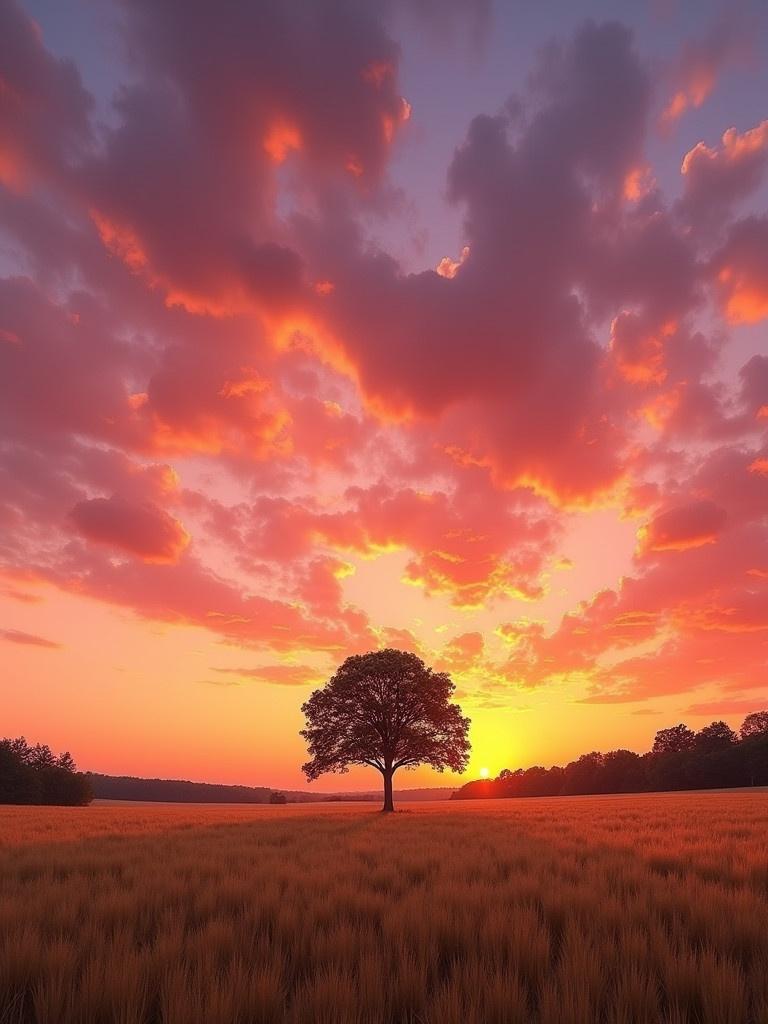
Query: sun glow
484	773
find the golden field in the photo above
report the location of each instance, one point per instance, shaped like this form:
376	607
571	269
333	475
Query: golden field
642	908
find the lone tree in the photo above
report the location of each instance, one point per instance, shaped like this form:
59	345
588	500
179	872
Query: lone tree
388	710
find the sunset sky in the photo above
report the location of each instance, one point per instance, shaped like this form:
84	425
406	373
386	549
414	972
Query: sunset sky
331	326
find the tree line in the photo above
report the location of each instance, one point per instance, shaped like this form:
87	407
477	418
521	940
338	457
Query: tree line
715	757
35	775
182	791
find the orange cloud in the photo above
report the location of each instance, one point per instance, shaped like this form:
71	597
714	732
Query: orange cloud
683	527
638	183
696	91
746	300
462	654
281	138
122	241
279	675
639	353
661	409
736	149
449	268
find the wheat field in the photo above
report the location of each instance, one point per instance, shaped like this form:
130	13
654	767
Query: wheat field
643	908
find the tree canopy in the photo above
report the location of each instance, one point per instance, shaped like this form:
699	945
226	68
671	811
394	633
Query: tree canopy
674	740
754	724
35	775
387	710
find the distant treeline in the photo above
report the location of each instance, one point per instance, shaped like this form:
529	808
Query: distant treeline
713	758
35	775
125	787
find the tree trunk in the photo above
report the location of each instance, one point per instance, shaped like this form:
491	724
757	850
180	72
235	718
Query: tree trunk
388	802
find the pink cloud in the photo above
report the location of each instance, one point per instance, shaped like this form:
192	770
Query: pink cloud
17	636
278	89
702	61
143	530
715	179
206	330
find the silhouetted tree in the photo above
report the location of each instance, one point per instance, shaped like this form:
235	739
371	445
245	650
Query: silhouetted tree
583	775
754	751
66	761
34	775
41	757
387	710
717	736
623	772
754	725
278	798
674	740
538	781
18	784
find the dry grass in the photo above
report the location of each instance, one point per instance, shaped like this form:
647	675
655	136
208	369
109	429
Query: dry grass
617	909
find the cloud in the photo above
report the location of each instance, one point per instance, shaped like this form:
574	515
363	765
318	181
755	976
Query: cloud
683	527
143	530
316	89
218	391
279	675
462	653
741	266
466	542
691	613
716	179
701	62
735	706
499	355
67	373
44	108
638	352
16	636
754	387
190	594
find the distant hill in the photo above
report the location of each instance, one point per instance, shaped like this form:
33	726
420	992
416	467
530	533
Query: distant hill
126	787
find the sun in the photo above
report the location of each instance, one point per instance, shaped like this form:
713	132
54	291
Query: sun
484	773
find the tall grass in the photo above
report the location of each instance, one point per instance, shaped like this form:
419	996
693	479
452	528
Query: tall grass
616	909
